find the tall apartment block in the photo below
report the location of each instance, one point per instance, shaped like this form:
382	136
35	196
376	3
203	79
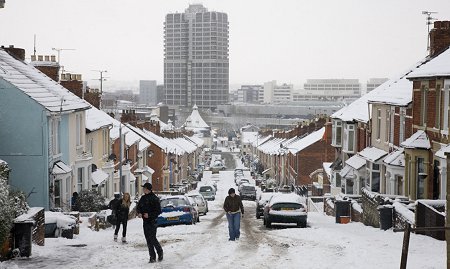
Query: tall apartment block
147	92
333	89
249	94
196	60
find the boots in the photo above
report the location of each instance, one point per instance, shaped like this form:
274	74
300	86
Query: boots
124	239
115	238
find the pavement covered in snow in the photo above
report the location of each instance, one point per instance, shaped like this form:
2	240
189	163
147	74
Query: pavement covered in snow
323	244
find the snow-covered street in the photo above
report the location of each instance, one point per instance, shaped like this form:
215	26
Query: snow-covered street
323	244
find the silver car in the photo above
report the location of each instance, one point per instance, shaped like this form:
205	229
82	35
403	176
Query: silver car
208	192
202	204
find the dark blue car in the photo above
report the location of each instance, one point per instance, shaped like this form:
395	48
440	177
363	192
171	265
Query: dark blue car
176	210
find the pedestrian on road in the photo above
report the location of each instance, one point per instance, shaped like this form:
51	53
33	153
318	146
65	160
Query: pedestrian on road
233	208
122	210
149	208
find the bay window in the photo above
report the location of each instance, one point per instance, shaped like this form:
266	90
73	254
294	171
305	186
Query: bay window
337	133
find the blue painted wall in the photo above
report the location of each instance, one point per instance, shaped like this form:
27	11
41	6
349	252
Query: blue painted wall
24	143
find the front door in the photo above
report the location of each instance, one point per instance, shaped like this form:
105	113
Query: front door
436	179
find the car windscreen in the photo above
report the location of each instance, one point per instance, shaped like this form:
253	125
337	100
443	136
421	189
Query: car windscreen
286	206
173	202
248	188
205	189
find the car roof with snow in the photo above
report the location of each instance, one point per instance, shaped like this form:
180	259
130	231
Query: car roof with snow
174	197
247	185
287	198
266	195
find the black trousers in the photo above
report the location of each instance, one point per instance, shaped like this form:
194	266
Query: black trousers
150	235
124	227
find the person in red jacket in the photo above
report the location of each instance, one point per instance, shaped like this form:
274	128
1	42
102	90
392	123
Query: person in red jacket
233	208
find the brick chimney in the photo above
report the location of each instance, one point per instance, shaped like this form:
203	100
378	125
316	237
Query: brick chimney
129	116
16	52
73	83
439	37
93	96
47	65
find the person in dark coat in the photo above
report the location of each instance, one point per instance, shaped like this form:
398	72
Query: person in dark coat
122	210
75	202
114	205
149	208
234	208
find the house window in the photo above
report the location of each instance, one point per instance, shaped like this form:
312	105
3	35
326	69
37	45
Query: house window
378	123
388	125
337	133
80	179
79	122
105	142
437	123
421	176
375	178
350	141
54	133
423	106
391	127
446	109
399	185
91	146
57	192
402	125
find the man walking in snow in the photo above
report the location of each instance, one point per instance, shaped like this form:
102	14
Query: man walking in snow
149	208
233	208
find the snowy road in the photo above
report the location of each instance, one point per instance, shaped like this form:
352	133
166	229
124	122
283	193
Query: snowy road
324	244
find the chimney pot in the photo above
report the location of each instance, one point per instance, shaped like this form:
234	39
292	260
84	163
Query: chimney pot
47	58
53	58
33	58
40	58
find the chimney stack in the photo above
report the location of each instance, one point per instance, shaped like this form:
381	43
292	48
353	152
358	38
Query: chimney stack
46	64
439	37
15	52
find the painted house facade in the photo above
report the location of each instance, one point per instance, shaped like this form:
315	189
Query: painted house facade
47	158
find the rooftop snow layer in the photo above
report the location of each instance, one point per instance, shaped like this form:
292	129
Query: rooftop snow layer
39	87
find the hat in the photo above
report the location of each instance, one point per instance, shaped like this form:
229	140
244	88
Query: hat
148	186
231	190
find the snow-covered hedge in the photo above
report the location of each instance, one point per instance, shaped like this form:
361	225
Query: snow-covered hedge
91	201
12	204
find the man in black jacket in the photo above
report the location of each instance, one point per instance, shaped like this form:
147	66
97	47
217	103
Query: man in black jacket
149	208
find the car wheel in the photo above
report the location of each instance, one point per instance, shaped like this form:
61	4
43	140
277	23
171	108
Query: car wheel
268	224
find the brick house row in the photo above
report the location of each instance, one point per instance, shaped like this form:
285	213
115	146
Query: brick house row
393	139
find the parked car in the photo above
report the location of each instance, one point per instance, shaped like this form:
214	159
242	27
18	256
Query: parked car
285	208
202	204
176	209
217	166
195	206
247	191
242	180
261	203
208	192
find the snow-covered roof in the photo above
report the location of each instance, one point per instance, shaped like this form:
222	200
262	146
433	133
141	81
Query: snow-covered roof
39	87
327	168
98	177
395	88
197	140
396	158
97	119
185	145
259	140
195	121
441	152
418	140
152	137
60	168
372	154
131	137
437	67
306	141
347	172
399	93
287	198
248	137
356	162
272	146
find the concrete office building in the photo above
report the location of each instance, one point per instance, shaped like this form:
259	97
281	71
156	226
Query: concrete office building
333	89
249	94
276	94
196	58
374	82
148	92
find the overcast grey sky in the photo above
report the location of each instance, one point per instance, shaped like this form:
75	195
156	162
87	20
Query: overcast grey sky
285	40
